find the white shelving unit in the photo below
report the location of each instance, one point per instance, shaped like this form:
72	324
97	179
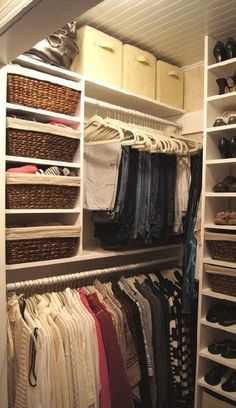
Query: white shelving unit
89	248
215	169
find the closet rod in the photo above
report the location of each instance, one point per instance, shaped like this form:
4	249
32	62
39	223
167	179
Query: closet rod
54	280
96	102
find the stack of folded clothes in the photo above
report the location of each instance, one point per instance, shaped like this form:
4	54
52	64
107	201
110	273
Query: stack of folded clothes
52	170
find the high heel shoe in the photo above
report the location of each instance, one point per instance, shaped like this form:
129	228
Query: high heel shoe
222	83
223	146
220	52
230	48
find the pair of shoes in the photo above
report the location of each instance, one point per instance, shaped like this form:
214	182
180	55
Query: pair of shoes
224	314
226	217
228	184
227	148
227	118
227	84
223	52
227	348
214	377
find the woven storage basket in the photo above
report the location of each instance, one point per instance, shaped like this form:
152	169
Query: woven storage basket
35	191
221	280
33	244
40	140
210	401
221	246
40	94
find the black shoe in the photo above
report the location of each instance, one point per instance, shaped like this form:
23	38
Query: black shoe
222	84
229	351
220	346
227	316
223	146
230	384
220	52
213	377
230	48
213	313
232	146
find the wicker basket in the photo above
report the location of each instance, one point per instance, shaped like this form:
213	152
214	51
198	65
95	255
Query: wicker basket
33	244
42	141
211	401
36	191
221	280
40	94
221	246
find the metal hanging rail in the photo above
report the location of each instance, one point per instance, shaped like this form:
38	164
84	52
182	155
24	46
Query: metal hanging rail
59	280
131	112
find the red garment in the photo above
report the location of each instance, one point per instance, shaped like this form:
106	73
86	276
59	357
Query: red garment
28	168
104	396
120	391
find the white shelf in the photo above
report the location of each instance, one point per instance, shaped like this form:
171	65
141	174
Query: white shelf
228	194
220	227
228	329
231	363
43	115
43	211
221	161
129	100
220	67
225	101
222	130
216	295
211	261
20	159
217	389
37	65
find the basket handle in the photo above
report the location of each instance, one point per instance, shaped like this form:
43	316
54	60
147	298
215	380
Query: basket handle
142	59
105	46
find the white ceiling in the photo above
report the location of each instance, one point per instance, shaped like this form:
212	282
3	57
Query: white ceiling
172	30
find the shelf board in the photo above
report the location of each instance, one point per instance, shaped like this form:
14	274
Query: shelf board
98	254
37	65
129	100
216	295
221	227
220	67
222	130
43	115
20	159
228	194
217	389
229	329
231	363
211	261
221	161
43	211
225	101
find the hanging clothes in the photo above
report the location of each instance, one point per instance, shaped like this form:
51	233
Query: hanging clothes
115	344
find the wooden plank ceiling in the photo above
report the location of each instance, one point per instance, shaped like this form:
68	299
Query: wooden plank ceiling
172	30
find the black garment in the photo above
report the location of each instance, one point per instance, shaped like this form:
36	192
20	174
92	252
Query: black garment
136	330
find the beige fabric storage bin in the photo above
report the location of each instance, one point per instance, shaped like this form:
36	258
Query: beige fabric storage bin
208	401
100	56
139	71
170	84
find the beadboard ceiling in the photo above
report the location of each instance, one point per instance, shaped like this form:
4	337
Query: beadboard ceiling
172	30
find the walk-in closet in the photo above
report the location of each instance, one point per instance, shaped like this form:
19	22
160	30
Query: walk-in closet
118	218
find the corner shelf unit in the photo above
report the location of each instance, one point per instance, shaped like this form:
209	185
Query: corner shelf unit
215	169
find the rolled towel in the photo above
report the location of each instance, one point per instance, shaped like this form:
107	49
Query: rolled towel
23	169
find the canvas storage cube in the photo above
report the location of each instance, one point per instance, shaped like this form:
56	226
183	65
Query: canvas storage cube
139	71
170	84
99	57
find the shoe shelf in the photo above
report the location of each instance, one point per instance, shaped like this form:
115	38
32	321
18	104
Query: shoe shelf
217	388
228	329
217	358
208	292
215	169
